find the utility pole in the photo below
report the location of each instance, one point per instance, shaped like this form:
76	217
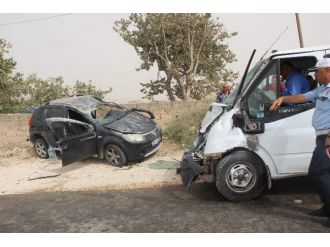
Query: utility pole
301	41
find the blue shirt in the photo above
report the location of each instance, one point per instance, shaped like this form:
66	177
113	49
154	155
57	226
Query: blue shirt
296	83
321	117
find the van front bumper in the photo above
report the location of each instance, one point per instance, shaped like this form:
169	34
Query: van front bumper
189	169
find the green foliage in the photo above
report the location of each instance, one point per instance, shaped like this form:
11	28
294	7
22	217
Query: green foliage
83	88
189	50
6	64
18	93
183	130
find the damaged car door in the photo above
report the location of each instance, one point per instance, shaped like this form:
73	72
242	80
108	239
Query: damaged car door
77	140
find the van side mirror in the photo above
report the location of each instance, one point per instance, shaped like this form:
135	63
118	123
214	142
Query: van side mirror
242	120
247	125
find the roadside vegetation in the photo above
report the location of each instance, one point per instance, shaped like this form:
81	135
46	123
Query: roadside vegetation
184	128
19	93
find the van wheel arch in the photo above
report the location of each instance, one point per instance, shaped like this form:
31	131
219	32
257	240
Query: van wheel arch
232	166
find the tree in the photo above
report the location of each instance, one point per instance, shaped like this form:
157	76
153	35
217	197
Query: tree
6	64
89	89
18	93
188	49
8	82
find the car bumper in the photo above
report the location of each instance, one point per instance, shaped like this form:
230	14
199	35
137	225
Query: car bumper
139	151
189	169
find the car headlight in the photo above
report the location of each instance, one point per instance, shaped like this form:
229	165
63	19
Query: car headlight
133	137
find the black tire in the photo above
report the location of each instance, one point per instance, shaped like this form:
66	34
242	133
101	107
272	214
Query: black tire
115	156
41	148
240	176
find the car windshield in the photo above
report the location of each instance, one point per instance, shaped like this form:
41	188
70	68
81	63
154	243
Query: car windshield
106	113
250	75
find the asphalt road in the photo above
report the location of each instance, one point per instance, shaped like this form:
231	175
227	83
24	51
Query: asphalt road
167	209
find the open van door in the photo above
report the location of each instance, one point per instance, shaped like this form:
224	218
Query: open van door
76	139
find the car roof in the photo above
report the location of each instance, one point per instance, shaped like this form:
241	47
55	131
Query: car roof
81	102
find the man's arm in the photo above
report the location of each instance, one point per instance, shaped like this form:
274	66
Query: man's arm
299	98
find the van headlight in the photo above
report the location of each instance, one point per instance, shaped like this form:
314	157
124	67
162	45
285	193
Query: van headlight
134	137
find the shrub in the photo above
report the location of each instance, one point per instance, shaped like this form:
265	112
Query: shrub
183	129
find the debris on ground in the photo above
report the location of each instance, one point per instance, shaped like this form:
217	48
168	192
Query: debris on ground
164	164
40	174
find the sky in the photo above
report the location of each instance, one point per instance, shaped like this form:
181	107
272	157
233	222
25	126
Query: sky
85	47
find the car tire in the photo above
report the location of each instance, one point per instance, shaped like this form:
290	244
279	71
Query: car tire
115	156
41	148
240	176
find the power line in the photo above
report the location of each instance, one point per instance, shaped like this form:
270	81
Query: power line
33	20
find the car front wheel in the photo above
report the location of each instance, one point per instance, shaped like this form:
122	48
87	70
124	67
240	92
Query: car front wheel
240	176
114	155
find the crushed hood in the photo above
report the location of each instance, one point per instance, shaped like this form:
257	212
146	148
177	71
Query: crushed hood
215	110
132	123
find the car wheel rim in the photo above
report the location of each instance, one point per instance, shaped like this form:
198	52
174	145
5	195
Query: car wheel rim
241	177
41	150
113	156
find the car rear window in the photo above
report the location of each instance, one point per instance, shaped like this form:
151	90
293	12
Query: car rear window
54	112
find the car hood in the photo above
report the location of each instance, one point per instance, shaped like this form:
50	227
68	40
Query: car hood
132	123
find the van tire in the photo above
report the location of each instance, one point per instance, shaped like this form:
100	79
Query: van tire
240	176
115	156
41	148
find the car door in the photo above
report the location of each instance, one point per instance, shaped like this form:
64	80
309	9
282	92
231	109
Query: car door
76	139
288	134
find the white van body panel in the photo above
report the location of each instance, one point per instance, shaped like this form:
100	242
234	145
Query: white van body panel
290	142
223	136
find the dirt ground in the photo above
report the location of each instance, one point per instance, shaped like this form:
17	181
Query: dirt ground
21	171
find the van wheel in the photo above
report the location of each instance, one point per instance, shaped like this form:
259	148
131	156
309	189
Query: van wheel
41	147
240	176
114	155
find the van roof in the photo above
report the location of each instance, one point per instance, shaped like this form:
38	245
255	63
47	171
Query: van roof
302	50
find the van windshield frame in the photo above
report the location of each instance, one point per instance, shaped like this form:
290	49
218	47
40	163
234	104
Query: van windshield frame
248	79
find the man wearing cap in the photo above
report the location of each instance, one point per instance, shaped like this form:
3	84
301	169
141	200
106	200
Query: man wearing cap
319	169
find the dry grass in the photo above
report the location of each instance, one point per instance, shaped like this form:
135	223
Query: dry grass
184	128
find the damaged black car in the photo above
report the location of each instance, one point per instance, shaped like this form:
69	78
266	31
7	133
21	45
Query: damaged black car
80	127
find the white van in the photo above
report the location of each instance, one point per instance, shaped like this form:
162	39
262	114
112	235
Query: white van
242	146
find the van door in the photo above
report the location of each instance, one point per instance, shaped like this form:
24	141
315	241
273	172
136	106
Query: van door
289	137
76	139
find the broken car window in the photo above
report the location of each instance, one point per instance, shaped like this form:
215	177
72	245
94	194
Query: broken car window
107	113
75	129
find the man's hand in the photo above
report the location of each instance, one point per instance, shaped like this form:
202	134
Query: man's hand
277	103
327	145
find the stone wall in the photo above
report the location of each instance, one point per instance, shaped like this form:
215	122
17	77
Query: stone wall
14	128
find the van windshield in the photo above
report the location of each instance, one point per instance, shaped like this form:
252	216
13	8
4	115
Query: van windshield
250	75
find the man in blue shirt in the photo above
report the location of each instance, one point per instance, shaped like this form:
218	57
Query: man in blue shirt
319	169
296	83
